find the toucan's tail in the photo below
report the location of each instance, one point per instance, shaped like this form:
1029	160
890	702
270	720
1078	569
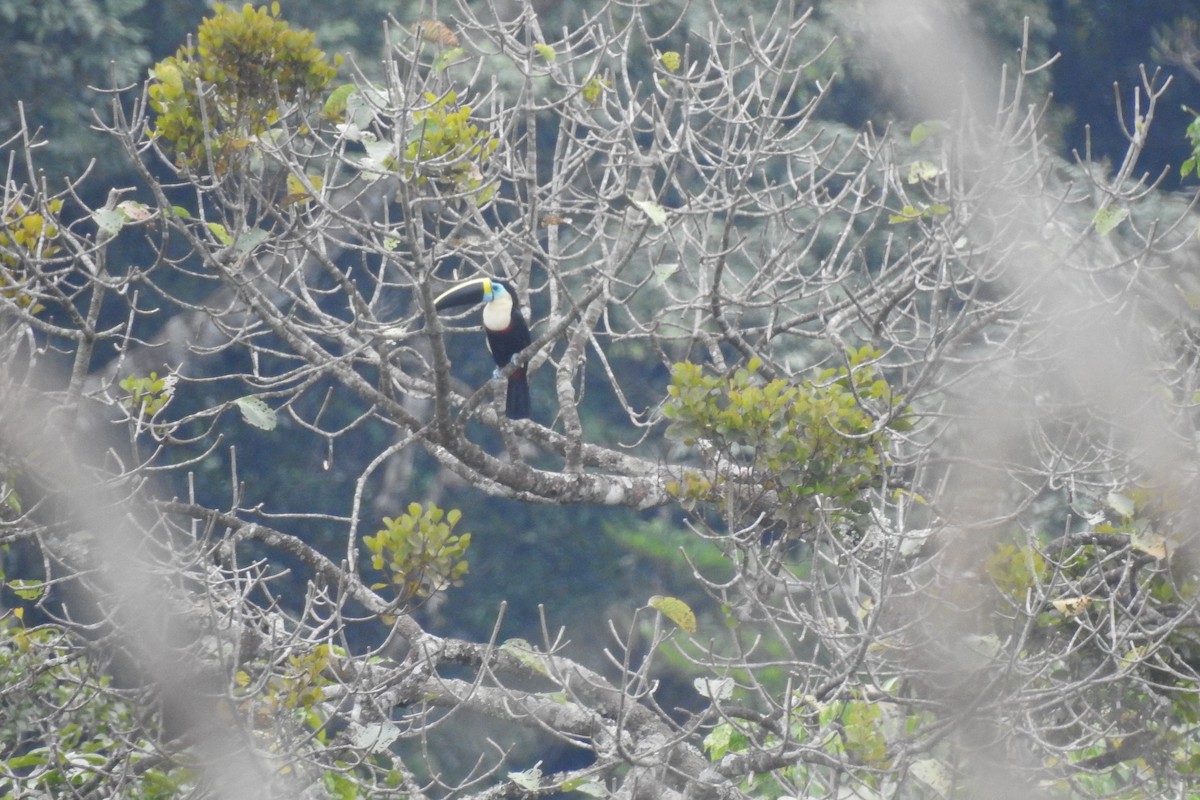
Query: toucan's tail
516	401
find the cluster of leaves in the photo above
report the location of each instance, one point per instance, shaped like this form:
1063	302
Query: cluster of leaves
147	396
419	551
26	236
219	94
595	88
445	145
60	721
860	731
824	438
924	174
298	687
1046	567
1085	585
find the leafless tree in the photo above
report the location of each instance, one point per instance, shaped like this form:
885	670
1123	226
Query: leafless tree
982	586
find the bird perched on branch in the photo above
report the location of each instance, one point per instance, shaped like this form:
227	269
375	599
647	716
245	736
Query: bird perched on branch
507	333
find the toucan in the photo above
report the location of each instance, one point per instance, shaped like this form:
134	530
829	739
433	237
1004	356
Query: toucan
507	333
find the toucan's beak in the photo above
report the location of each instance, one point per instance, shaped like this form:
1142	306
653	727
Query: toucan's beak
466	293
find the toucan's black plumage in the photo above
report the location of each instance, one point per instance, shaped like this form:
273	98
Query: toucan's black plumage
507	333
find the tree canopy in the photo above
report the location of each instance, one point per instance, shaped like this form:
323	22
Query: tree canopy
902	419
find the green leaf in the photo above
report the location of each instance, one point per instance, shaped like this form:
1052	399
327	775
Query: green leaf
27	590
1134	656
335	104
220	232
675	610
256	412
923	130
907	214
594	89
34	759
588	786
339	786
448	58
1108	218
718	741
296	190
546	52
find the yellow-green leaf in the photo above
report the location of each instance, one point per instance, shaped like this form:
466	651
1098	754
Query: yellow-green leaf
1108	218
448	58
594	88
584	785
923	130
907	214
335	105
222	234
675	610
27	590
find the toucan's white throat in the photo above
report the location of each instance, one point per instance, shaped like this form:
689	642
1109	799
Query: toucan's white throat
497	314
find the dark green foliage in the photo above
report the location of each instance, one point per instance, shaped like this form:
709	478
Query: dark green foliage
60	719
